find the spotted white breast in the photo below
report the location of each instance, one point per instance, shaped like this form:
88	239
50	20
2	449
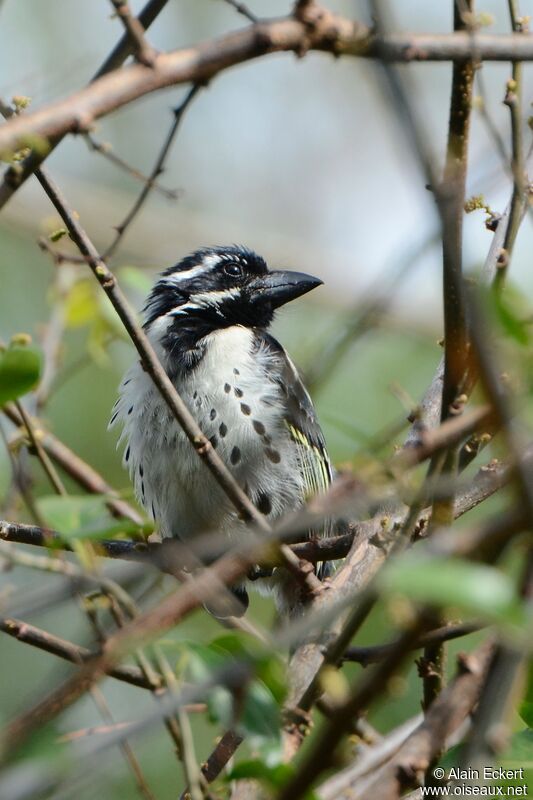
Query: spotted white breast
239	407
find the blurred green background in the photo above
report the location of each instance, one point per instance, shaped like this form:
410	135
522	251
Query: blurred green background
302	160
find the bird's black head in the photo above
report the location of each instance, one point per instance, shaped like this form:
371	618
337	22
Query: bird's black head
221	286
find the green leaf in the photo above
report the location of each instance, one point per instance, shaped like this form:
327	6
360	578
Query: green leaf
475	588
519	754
85	517
20	368
261	714
269	667
526	706
273	776
258	709
512	312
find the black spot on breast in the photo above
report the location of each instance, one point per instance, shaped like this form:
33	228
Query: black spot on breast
264	503
236	371
223	429
127	454
113	418
195	395
214	441
273	455
235	456
141	470
130	409
238	392
267	439
212	413
246	409
227	388
153	509
258	427
126	382
142	489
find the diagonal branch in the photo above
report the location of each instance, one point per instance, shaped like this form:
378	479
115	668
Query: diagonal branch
16	176
143	52
150	183
75	653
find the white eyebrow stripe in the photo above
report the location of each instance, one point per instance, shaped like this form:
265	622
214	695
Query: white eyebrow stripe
204	300
207	265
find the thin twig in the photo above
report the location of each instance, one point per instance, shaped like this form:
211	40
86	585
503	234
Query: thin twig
143	52
240	8
104	149
513	99
149	184
42	455
77	468
373	653
68	651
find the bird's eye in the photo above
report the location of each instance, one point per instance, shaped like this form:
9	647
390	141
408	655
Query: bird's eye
232	269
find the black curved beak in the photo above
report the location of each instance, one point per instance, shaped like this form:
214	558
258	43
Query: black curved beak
282	285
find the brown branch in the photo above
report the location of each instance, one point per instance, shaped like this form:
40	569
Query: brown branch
329	33
406	769
450	197
143	52
79	470
368	761
150	361
105	150
68	651
507	659
220	756
42	455
16	176
374	653
227	570
513	99
320	752
488	480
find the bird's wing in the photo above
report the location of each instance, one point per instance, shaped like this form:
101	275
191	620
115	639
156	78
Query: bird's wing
301	421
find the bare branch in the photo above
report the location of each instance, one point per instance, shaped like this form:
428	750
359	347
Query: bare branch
78	469
178	113
320	753
406	768
240	8
143	52
369	655
105	150
16	176
76	654
200	64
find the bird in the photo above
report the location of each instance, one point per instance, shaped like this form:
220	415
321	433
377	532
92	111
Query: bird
208	319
